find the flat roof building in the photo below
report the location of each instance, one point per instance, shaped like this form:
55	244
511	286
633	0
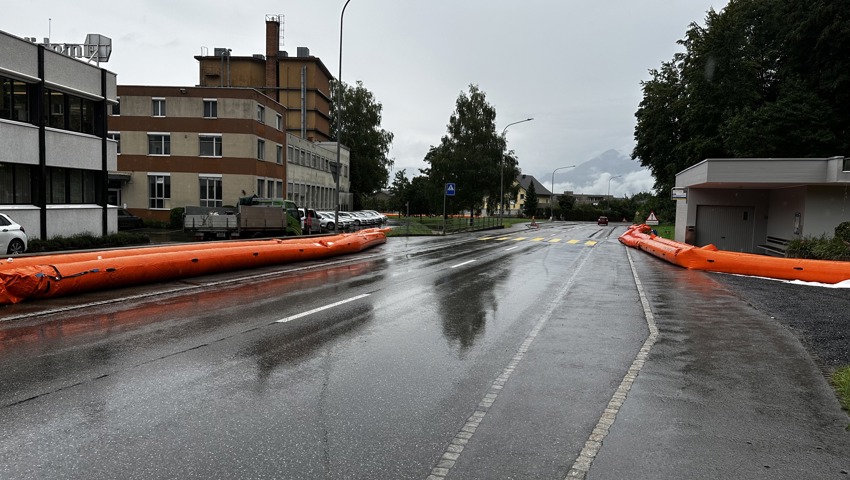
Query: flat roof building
55	156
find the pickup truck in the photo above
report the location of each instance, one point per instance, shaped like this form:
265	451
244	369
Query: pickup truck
253	218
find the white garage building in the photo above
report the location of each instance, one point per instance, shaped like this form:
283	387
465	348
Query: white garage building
758	205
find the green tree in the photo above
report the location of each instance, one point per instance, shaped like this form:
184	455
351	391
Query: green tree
471	153
363	135
530	206
400	191
761	79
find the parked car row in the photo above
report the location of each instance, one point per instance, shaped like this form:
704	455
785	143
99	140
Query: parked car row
351	220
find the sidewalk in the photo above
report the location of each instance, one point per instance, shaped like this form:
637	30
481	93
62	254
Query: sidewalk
726	392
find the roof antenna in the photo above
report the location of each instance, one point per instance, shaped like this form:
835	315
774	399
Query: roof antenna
48	29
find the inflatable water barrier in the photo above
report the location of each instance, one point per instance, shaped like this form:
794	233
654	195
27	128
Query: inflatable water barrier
711	259
65	274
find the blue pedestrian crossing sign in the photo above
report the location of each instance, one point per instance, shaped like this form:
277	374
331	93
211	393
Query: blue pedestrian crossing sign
450	189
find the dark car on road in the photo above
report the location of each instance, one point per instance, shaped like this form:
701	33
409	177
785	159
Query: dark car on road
602	221
128	221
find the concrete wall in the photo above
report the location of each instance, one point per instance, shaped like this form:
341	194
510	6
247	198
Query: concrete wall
826	207
19	143
784	203
68	220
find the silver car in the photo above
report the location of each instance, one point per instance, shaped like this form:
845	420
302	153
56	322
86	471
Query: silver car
13	237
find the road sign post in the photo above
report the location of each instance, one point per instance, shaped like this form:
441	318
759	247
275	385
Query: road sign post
449	191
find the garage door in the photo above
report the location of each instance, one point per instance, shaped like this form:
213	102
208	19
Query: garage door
728	228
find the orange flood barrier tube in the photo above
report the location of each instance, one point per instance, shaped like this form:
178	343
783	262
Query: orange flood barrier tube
711	259
56	275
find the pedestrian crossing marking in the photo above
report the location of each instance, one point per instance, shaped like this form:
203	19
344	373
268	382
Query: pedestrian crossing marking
589	243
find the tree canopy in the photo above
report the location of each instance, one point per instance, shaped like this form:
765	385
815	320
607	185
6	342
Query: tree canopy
762	79
471	153
363	135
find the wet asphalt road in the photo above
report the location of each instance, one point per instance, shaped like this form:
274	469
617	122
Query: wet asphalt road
519	354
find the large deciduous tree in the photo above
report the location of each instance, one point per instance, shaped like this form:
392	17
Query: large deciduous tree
762	78
363	135
471	153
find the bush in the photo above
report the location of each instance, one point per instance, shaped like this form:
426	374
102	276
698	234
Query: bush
86	241
842	231
819	248
177	217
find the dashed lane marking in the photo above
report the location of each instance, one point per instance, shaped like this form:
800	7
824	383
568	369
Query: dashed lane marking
503	238
590	243
536	239
456	446
594	443
315	310
555	240
519	238
462	264
573	242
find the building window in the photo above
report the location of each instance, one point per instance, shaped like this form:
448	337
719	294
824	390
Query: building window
270	185
117	137
261	113
54	109
15	184
278	121
846	167
159	190
14	100
279	155
278	185
71	186
301	155
158	107
116	108
159	144
211	191
210	145
261	149
210	108
290	152
261	186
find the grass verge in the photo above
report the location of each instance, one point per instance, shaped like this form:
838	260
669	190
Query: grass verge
841	382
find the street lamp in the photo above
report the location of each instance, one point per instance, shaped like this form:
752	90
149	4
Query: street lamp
502	174
552	198
339	120
609	185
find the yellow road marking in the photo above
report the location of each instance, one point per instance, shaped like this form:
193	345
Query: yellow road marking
555	240
519	238
573	242
503	238
486	238
536	239
590	243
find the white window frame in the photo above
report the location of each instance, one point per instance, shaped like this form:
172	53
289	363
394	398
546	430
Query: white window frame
216	141
214	103
278	121
165	179
261	149
279	154
158	106
112	135
165	136
261	113
207	177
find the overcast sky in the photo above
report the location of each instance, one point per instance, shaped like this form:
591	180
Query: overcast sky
575	66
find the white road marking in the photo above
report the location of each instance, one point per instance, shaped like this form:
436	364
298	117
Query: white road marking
509	249
462	264
315	310
453	451
591	448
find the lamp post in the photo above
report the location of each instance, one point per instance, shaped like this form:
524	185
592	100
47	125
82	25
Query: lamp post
339	121
552	198
609	184
502	174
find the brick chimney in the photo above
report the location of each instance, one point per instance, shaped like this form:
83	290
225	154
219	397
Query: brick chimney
272	47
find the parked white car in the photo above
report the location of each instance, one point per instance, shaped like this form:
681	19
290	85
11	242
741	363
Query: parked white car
13	237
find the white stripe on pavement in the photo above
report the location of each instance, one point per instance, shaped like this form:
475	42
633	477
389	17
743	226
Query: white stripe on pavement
310	312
